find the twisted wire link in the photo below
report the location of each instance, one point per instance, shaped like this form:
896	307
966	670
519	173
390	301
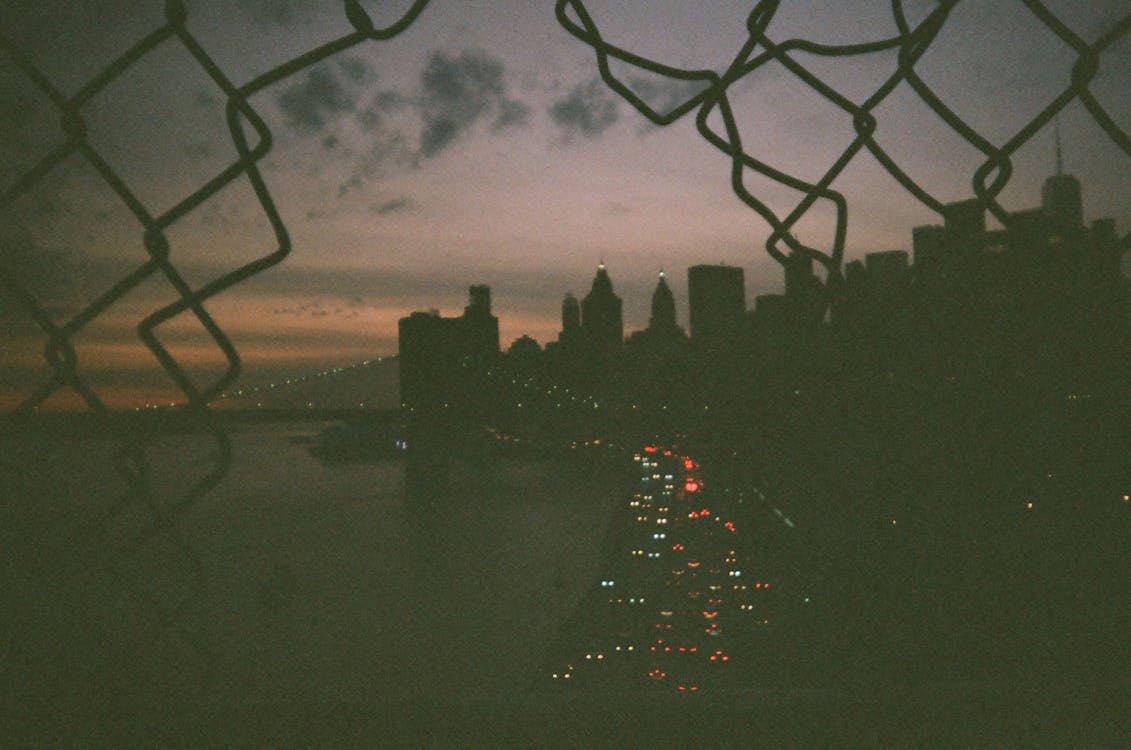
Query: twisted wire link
60	353
252	140
911	43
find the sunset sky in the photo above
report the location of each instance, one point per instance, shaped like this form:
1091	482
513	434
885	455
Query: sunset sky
480	147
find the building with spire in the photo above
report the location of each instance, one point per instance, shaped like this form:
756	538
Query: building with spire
1061	202
1026	302
657	358
662	320
1031	237
662	332
602	327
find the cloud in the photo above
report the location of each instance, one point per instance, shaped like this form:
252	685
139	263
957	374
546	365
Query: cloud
393	206
314	101
587	111
458	91
388	101
453	94
313	309
511	113
386	145
354	182
355	68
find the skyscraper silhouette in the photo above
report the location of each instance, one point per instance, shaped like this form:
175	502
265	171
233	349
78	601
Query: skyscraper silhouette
662	321
1061	204
431	348
570	337
602	328
571	316
1060	198
717	303
478	328
965	223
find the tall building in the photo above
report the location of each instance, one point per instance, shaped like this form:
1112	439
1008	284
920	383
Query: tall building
717	303
1060	198
799	277
479	300
571	316
432	349
928	243
1061	203
965	224
886	270
1034	303
479	329
1057	225
662	321
568	345
602	329
804	291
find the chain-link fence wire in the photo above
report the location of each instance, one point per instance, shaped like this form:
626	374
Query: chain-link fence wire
911	43
253	141
241	117
105	547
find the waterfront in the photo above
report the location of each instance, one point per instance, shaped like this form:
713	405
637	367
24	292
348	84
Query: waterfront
317	583
326	601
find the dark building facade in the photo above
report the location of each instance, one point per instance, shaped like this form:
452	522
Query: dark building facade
432	349
1047	244
662	331
1030	304
716	303
662	320
656	357
569	340
602	327
1061	203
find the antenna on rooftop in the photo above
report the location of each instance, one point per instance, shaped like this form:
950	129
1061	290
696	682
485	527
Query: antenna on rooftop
1059	155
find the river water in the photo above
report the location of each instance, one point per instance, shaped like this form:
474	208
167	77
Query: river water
295	589
292	579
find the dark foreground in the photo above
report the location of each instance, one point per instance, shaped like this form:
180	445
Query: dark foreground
945	716
304	604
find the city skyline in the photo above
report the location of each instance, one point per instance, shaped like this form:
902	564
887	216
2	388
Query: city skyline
1048	277
385	369
481	148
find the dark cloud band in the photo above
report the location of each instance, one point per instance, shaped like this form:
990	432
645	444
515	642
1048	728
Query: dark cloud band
587	111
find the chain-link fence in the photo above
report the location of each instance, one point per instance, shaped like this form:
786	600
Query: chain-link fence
759	49
252	140
133	537
621	68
